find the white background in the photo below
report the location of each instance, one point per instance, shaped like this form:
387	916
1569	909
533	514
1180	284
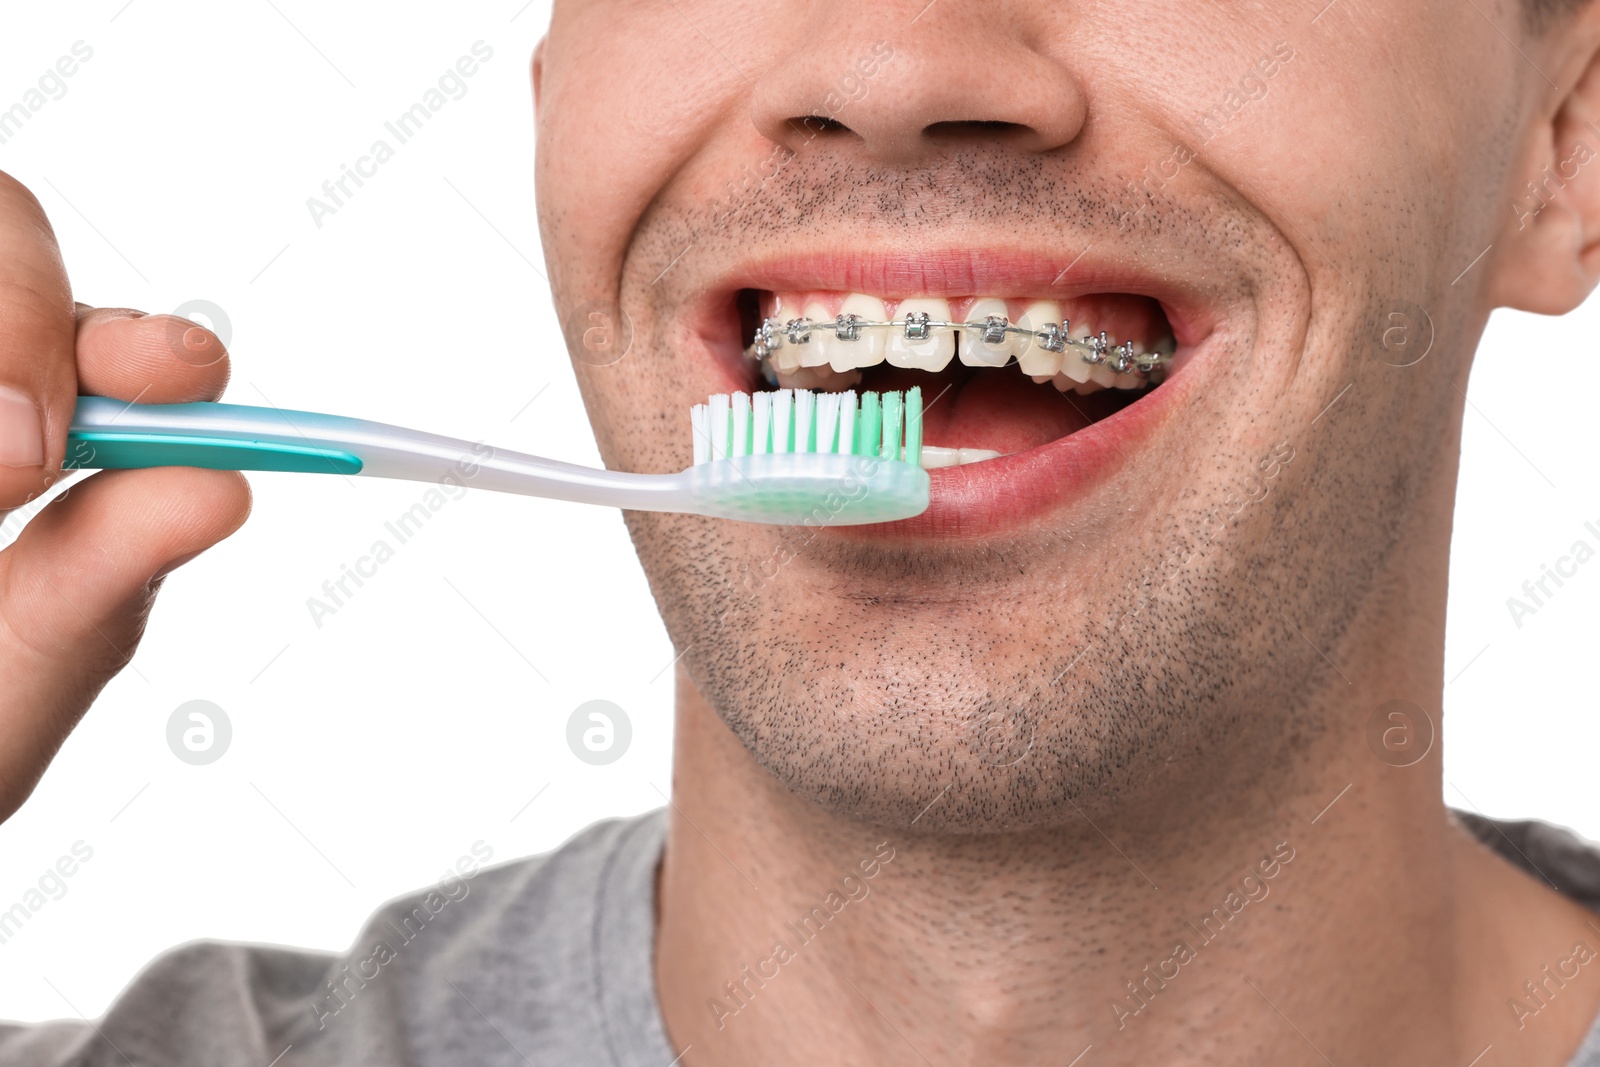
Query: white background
372	752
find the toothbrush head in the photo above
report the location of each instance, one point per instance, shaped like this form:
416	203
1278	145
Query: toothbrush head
793	457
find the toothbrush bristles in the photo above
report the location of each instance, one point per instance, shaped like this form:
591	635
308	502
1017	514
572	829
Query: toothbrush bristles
883	425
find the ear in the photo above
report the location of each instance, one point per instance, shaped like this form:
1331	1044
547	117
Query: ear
538	71
1548	252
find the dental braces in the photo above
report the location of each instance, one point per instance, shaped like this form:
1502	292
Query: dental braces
1095	350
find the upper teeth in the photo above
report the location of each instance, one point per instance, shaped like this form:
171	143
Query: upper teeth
922	335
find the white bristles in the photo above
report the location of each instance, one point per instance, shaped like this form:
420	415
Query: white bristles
741	425
761	424
847	422
700	426
805	408
717	417
828	420
782	420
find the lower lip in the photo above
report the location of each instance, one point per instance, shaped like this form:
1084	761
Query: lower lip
996	496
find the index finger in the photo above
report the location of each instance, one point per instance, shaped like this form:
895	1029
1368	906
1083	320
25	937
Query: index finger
38	376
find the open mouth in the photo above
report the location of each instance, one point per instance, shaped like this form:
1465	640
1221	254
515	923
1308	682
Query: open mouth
1000	375
1041	374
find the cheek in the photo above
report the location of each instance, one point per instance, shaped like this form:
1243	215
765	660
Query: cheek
1392	126
602	89
631	426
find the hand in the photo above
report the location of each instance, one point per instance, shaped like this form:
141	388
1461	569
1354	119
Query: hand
77	586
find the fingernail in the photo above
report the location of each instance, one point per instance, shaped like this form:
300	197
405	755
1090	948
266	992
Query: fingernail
21	432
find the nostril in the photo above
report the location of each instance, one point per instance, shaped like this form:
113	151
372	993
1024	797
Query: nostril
817	125
967	130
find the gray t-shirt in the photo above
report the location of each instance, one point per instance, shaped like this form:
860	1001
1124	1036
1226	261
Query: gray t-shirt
547	960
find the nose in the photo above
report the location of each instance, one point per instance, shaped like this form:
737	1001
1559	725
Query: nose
901	82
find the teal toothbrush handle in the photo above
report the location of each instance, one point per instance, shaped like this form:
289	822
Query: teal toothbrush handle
109	434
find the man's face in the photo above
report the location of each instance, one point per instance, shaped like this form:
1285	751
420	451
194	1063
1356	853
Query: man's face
1152	588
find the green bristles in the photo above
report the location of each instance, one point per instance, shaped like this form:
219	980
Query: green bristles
883	425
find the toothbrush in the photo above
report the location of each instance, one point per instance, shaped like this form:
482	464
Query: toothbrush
787	457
